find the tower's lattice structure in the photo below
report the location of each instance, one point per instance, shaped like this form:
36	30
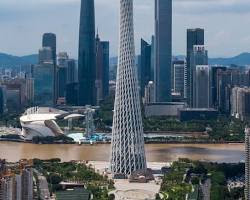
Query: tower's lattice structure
128	154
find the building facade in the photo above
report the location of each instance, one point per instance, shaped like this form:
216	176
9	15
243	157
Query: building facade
163	50
179	77
128	154
201	87
62	74
44	84
86	55
102	69
145	72
194	37
49	40
199	56
240	103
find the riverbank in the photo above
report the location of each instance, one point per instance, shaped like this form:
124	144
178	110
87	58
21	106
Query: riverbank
147	141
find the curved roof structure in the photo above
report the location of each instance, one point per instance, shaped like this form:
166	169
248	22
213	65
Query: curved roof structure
40	122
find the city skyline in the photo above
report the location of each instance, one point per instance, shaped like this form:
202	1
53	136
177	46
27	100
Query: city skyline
30	20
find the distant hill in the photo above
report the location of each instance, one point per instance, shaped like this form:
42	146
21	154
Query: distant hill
7	60
242	59
13	61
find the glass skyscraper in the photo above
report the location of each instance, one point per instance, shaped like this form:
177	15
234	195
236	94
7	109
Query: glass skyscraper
102	69
163	50
199	56
145	72
49	40
44	84
194	37
86	56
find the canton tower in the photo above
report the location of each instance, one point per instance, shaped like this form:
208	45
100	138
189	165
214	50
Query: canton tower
128	154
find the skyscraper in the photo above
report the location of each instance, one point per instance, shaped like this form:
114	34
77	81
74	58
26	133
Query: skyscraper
179	77
45	55
102	69
44	84
163	50
145	72
194	37
62	73
128	154
49	40
201	87
199	56
86	56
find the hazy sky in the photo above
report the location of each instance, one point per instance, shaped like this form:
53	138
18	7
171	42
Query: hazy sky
22	22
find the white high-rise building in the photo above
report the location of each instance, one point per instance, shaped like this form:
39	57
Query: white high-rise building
128	153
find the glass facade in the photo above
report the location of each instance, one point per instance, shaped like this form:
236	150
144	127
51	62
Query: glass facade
44	84
163	50
86	57
145	66
194	37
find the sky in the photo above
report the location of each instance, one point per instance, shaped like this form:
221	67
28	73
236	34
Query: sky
22	23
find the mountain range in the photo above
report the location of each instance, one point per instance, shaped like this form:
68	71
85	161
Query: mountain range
7	60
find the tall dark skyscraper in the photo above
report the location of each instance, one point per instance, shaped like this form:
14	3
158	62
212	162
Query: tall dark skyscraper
86	56
49	40
163	50
145	72
194	37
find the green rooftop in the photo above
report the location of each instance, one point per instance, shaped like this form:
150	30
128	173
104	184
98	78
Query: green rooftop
76	194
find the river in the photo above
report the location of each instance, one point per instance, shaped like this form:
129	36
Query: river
154	152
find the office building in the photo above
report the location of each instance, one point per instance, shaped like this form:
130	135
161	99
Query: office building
71	71
152	65
44	84
29	94
45	55
62	74
179	77
149	93
214	84
194	114
199	56
86	56
240	103
102	69
127	122
145	63
72	85
194	37
163	50
3	100
201	87
223	90
49	40
169	109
